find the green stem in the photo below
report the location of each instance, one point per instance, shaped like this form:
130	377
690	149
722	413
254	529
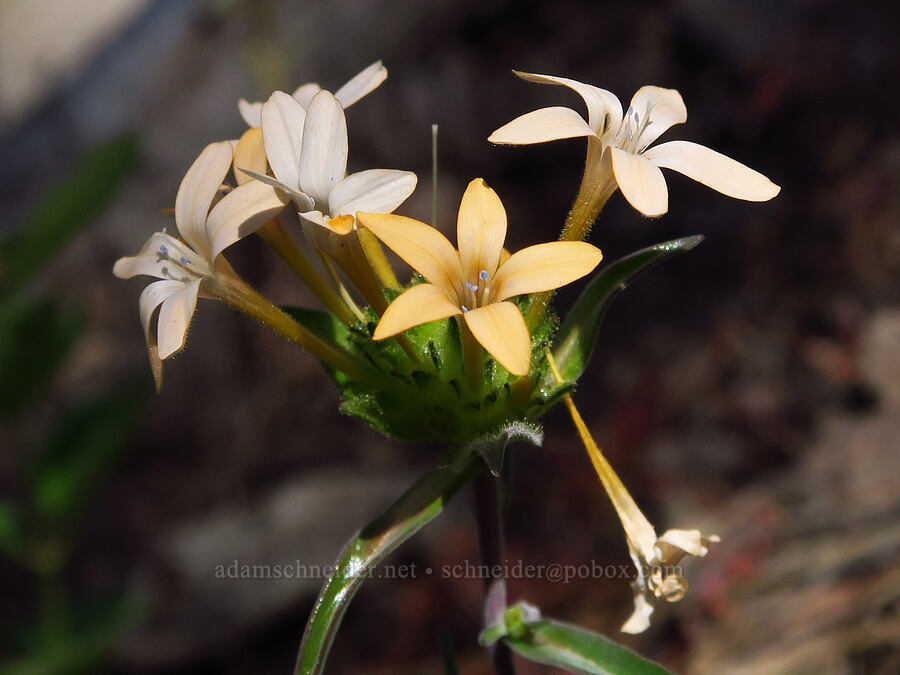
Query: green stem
413	510
235	292
274	234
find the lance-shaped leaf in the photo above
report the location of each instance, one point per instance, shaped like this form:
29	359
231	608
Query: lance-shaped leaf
412	511
576	338
563	645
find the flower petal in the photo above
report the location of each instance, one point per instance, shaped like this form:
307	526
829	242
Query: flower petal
375	191
604	108
425	249
641	182
544	267
361	84
323	155
341	225
250	112
540	126
175	317
501	330
249	153
241	212
639	621
661	108
282	125
302	200
305	92
420	304
480	230
714	170
157	258
197	190
151	298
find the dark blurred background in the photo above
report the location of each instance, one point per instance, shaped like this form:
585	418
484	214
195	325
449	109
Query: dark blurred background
749	388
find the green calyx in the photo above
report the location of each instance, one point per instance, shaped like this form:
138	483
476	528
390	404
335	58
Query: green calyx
421	389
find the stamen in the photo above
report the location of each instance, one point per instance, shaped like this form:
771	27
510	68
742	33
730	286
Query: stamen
464	308
637	120
163	249
471	287
483	275
630	132
185	261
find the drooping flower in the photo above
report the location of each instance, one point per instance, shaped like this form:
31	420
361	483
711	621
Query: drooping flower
307	151
472	281
358	86
619	152
190	266
656	559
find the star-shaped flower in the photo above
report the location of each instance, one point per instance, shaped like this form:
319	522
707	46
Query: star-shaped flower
361	84
307	151
619	152
190	266
472	282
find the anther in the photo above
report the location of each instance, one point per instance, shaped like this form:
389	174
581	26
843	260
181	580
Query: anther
471	287
483	275
464	308
185	261
163	249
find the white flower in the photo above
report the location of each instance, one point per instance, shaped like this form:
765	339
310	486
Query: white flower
360	85
619	152
190	266
307	151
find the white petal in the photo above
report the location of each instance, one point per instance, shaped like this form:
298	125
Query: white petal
175	318
196	193
282	125
662	108
361	84
323	155
241	212
540	126
714	170
302	200
375	191
161	257
600	102
639	621
305	92
250	112
250	153
151	298
641	182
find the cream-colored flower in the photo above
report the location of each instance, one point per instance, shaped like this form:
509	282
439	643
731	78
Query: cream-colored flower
619	152
473	282
361	84
307	150
189	265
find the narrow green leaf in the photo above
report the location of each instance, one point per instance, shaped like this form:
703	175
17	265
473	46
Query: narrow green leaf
412	511
576	338
67	206
554	643
10	529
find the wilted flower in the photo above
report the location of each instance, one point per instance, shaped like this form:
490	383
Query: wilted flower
619	152
472	282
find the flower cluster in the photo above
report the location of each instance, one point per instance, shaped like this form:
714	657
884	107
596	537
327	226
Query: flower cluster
462	353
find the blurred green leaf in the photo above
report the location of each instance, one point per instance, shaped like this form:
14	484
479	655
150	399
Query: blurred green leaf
80	450
10	530
66	207
412	511
95	628
554	643
576	338
35	337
